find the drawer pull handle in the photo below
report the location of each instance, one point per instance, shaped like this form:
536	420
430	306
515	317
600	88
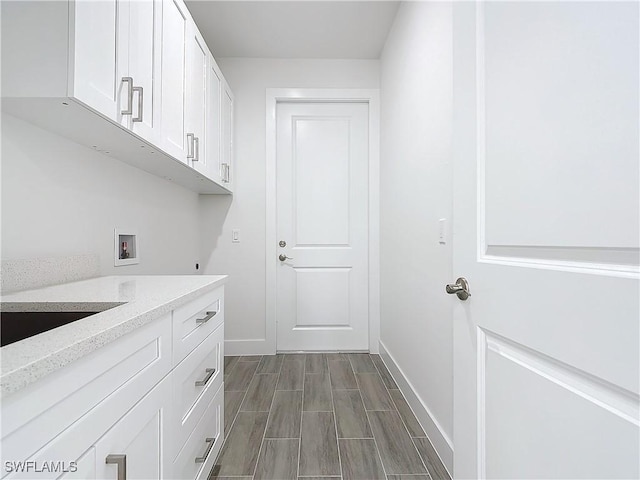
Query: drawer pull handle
211	442
209	316
120	461
207	377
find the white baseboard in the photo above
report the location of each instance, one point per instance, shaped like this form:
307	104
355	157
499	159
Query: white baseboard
247	347
440	441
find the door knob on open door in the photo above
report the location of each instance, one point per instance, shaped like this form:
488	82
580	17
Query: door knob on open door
460	288
283	257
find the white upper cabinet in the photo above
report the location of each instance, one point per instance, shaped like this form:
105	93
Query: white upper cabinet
214	114
145	62
117	60
192	96
175	26
100	54
196	113
142	65
227	170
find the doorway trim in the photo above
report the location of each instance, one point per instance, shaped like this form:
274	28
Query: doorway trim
287	95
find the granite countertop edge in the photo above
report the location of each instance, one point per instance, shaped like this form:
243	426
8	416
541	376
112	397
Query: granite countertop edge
17	374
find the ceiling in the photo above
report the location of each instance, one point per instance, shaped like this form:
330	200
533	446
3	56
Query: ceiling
294	29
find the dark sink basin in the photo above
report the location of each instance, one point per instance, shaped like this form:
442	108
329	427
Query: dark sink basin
23	320
16	326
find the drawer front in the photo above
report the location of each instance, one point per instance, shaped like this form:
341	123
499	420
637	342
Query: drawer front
196	458
193	322
194	383
96	391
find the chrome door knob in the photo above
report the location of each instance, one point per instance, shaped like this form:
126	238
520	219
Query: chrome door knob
460	288
283	257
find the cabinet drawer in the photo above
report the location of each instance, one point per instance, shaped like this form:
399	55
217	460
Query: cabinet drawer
196	458
194	383
193	322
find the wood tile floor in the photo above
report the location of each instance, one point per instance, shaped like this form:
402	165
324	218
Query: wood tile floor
319	416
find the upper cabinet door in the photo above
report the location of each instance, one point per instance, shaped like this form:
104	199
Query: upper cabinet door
144	67
175	21
227	137
100	55
214	132
197	61
117	61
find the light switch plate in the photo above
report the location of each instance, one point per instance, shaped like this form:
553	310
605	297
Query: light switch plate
235	236
442	231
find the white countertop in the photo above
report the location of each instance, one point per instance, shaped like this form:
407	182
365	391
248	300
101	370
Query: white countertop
144	299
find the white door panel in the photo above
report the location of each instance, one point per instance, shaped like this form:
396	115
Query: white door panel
174	63
227	149
144	65
559	81
214	117
546	350
100	53
321	195
322	294
197	65
322	215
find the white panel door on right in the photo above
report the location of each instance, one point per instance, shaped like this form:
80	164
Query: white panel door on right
547	233
322	216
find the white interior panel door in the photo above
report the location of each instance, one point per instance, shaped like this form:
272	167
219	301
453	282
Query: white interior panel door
546	356
322	215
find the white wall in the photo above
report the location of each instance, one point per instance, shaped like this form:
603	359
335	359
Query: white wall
245	261
416	191
63	199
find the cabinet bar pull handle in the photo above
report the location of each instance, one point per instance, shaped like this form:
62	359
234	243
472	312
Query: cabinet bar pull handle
140	103
225	172
120	461
209	316
129	109
190	137
210	442
207	377
196	141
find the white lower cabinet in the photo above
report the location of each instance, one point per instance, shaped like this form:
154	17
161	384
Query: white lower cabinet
128	410
133	448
